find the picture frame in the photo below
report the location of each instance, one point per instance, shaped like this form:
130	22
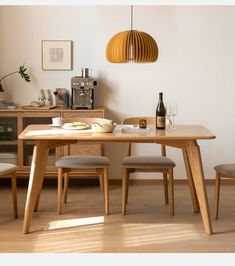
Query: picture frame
56	54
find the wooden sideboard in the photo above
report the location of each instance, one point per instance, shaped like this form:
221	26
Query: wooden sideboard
12	123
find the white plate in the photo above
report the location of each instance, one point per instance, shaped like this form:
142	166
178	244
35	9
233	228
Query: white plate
51	125
134	128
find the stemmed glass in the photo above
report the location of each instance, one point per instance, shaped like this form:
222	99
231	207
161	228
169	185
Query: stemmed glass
173	113
169	113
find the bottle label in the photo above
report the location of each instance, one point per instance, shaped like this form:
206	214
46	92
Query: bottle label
160	122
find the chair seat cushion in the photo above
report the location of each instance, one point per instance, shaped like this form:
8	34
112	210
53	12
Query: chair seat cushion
147	162
86	161
226	169
6	168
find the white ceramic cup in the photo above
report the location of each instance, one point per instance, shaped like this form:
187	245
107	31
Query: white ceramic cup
57	121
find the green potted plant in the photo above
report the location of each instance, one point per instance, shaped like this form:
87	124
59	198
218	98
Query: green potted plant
22	71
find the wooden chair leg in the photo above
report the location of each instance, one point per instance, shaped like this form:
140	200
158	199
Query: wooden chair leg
66	182
217	194
106	191
125	176
165	183
60	184
101	181
127	187
171	191
14	194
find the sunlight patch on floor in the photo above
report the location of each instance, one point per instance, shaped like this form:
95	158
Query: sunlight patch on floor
80	238
146	234
72	235
61	224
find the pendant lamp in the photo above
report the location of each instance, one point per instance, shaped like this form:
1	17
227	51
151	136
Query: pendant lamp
132	46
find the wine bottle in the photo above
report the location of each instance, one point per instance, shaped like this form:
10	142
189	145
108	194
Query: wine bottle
160	113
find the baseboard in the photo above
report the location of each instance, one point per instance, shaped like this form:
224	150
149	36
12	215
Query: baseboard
160	181
23	182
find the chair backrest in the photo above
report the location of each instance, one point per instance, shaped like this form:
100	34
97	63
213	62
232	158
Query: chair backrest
135	121
87	120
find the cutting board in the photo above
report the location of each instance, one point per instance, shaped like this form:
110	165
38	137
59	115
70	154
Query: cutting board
45	107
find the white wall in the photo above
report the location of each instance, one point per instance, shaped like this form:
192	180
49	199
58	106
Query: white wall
195	66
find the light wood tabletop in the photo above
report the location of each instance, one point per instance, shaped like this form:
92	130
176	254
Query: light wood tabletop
184	137
184	132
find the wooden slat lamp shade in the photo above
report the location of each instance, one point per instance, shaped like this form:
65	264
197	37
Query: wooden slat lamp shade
132	46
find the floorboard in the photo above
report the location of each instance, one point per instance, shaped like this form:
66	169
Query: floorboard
147	227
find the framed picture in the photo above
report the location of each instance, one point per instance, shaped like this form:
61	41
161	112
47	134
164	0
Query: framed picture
56	55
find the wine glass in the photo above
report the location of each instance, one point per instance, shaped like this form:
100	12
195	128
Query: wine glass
173	113
169	113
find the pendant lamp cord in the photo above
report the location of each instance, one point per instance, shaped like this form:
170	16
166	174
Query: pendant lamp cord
131	17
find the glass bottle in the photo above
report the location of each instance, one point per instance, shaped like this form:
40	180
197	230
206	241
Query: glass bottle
160	113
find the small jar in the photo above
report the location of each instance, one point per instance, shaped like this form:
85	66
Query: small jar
142	123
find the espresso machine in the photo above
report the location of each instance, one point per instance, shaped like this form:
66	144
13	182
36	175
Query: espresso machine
83	90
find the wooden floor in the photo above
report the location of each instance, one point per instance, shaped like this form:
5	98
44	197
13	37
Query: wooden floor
147	227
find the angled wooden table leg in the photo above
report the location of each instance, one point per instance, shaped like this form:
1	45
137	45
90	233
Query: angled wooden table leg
37	202
195	164
38	166
191	183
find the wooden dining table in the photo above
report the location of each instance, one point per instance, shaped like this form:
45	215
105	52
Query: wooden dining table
184	137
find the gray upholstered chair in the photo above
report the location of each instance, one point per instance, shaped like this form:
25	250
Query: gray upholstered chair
162	164
223	171
8	169
87	165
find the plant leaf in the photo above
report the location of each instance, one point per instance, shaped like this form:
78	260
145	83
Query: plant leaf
24	75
